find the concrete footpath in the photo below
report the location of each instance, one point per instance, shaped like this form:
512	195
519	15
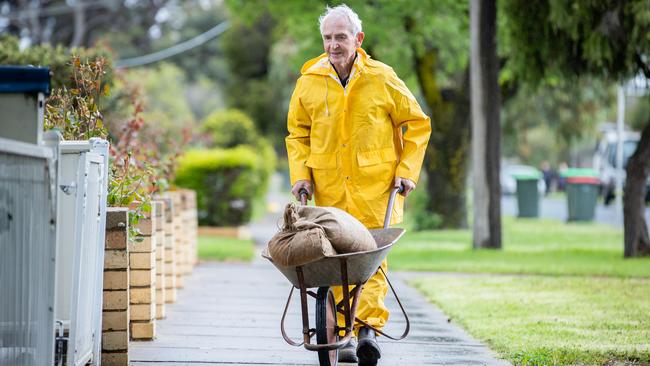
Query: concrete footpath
229	314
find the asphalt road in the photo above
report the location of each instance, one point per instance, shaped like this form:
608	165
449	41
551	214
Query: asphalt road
555	208
552	208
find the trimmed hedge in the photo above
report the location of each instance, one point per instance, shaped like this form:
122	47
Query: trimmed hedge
227	181
268	160
232	173
230	128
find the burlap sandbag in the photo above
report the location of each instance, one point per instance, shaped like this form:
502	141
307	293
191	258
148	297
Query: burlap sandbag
311	233
344	231
295	248
297	245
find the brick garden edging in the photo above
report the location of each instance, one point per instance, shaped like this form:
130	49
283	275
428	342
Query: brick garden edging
159	234
115	316
140	277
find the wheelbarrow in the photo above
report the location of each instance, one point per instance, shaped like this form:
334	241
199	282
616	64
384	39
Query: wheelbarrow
339	270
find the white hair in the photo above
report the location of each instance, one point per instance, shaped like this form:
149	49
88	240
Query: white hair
345	12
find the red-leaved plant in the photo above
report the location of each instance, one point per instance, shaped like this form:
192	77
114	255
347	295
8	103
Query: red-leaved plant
138	166
74	110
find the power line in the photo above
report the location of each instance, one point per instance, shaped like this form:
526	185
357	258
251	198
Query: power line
175	49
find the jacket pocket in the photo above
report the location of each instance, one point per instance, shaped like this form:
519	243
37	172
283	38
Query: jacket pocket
368	158
322	161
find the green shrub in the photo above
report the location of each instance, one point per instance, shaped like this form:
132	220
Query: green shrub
423	220
226	181
234	174
268	160
56	58
282	167
418	218
230	128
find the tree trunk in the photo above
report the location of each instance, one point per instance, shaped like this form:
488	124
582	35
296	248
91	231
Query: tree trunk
79	24
32	21
446	156
637	242
486	126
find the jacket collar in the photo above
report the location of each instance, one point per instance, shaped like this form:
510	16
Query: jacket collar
321	65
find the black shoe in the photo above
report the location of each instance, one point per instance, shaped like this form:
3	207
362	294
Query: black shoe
348	353
368	350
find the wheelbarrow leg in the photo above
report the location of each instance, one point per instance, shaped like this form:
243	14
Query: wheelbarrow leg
346	296
306	332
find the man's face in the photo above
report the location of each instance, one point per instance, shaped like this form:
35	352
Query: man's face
339	43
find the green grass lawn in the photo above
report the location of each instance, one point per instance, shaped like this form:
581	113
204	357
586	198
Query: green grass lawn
530	246
217	248
578	303
542	320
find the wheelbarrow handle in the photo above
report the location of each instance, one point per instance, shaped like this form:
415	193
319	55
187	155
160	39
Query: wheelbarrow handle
303	196
391	202
406	317
389	210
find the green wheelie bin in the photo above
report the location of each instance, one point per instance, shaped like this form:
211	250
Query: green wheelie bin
528	193
582	193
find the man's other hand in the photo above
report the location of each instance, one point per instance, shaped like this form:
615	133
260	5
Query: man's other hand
306	184
408	184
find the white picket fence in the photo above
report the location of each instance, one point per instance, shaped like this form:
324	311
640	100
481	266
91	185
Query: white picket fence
52	230
83	181
27	252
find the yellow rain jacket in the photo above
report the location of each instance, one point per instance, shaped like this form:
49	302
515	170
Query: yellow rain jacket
349	142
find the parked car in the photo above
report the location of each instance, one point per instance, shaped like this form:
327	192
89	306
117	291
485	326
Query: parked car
508	181
604	161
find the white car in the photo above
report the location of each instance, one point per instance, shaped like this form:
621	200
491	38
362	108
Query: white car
509	183
604	161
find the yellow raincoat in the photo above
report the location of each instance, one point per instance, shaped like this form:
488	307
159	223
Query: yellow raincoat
349	142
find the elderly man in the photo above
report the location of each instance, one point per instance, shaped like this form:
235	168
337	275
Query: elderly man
355	131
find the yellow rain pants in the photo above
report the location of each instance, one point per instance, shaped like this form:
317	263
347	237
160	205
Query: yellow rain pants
371	307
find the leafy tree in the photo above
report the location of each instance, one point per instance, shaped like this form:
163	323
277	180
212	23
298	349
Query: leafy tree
562	112
639	112
164	96
602	38
79	23
152	25
247	46
157	95
438	36
187	19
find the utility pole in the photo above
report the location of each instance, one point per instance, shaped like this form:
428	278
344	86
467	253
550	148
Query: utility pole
620	140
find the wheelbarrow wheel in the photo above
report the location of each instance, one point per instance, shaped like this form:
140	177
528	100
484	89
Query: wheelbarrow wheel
326	331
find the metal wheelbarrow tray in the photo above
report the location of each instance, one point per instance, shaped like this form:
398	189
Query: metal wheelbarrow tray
327	271
350	269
